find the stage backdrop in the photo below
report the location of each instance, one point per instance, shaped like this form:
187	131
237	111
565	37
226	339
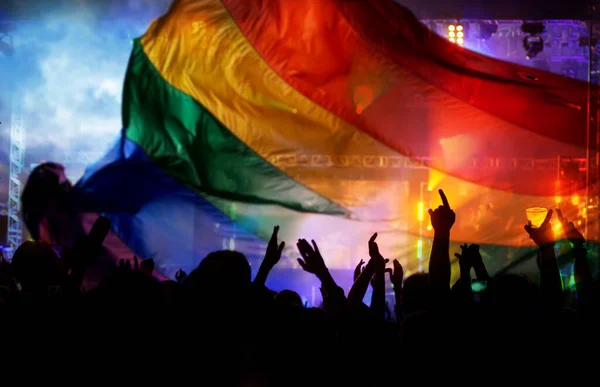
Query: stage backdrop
316	115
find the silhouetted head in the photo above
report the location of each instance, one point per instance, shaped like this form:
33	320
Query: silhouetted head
514	294
424	331
221	274
147	266
45	194
416	293
8	288
288	298
35	265
170	291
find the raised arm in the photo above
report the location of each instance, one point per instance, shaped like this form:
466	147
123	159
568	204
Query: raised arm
396	278
378	299
313	262
357	292
272	257
442	220
550	281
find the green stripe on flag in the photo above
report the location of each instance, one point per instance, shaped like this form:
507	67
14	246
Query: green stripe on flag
191	145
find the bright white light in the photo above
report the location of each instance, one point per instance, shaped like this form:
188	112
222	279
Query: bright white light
71	71
75	104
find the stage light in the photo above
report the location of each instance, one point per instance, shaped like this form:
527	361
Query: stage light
575	200
429	228
533	43
429	188
557	199
231	244
420	249
233	211
456	34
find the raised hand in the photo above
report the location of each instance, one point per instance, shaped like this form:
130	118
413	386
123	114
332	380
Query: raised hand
274	250
397	274
543	235
475	254
470	257
125	264
272	257
377	262
571	232
311	261
465	258
442	218
358	269
376	257
180	276
374	248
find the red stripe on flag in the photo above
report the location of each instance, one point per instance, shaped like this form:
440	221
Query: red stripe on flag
377	67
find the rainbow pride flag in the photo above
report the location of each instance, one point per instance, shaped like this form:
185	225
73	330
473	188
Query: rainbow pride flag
322	116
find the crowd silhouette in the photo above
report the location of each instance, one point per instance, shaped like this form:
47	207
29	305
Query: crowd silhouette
242	333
